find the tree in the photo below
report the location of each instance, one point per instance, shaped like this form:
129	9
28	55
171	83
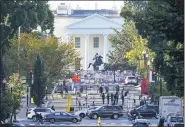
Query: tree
11	98
38	83
27	14
58	56
165	37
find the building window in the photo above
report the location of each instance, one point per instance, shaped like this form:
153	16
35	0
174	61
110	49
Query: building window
77	42
96	42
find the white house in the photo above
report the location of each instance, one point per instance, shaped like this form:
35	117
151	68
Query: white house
90	31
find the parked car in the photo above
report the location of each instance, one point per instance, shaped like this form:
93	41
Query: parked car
113	112
61	116
140	123
174	120
131	80
44	111
82	113
146	111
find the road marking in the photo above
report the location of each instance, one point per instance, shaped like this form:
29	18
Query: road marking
63	124
31	124
112	123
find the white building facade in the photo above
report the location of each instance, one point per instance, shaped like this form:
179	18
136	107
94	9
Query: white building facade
90	33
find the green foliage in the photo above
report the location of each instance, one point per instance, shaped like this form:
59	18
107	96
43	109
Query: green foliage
164	31
6	106
58	56
27	14
38	83
154	89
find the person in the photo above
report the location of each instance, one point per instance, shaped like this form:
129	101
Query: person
108	98
122	98
101	89
142	102
161	122
117	88
122	91
53	108
81	89
79	102
37	116
40	118
64	86
96	57
106	88
126	93
103	98
93	104
112	98
117	97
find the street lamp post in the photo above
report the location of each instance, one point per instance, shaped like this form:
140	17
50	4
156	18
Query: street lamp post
114	69
145	55
46	93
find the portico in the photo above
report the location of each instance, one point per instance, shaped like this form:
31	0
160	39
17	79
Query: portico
91	36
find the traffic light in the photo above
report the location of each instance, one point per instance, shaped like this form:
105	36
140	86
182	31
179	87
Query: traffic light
154	76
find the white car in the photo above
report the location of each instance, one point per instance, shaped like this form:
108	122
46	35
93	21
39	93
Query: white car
43	111
82	113
131	80
172	120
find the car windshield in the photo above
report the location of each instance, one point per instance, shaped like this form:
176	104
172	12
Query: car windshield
180	119
131	78
92	108
173	119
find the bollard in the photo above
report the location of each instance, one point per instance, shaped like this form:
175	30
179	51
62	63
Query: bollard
99	121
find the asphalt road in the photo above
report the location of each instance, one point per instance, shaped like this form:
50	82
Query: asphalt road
92	122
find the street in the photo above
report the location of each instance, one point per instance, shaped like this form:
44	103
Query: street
87	121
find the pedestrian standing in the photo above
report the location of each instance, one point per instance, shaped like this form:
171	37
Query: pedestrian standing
144	101
112	98
81	89
103	98
108	96
161	122
122	91
106	88
101	89
117	97
79	102
141	102
122	98
117	88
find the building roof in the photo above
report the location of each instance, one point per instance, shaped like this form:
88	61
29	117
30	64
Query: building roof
86	13
95	17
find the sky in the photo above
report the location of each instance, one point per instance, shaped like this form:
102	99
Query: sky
89	4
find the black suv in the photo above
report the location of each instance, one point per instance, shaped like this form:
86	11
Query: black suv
113	112
146	111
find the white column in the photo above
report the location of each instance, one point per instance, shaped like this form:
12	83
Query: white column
105	49
86	52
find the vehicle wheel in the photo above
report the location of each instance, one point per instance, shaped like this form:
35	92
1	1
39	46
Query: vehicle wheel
34	118
82	115
74	120
94	116
52	120
115	116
